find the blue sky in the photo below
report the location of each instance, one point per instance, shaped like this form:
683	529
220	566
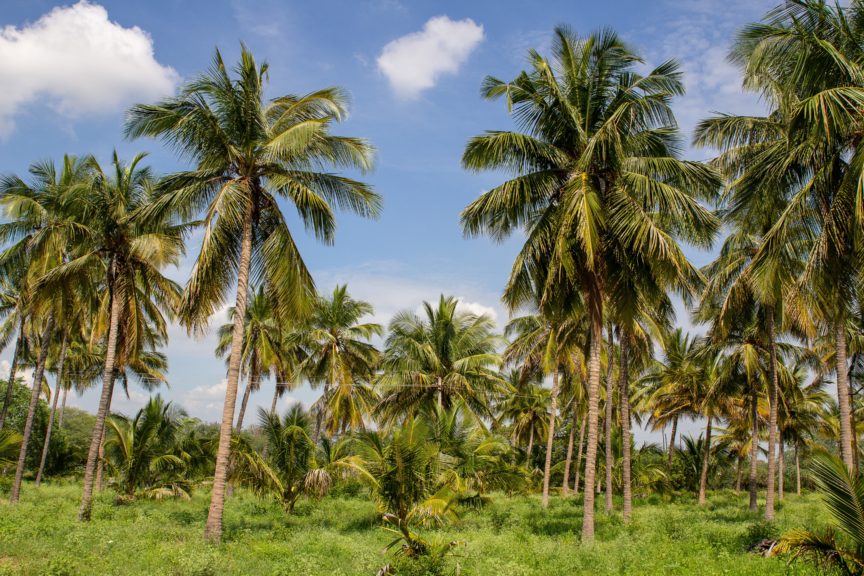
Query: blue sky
413	69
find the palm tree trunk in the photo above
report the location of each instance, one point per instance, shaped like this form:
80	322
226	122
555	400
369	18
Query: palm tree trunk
10	387
610	411
706	461
624	403
319	417
772	417
797	472
100	463
59	385
31	411
671	450
565	485
579	457
243	404
596	308
843	398
738	467
754	446
852	423
781	469
275	398
213	528
553	413
63	406
530	447
251	385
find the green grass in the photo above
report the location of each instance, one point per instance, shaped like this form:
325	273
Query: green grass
343	536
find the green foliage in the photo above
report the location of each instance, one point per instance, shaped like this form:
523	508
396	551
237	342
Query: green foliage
18	415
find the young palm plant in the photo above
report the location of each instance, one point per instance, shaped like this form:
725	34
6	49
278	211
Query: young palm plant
247	153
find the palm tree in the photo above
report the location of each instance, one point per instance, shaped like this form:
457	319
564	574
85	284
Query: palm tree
290	468
120	248
597	181
525	410
806	60
247	153
341	358
143	455
440	358
41	236
261	344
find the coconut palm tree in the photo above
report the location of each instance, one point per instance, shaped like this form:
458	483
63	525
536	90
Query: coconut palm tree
120	249
341	358
441	357
525	412
596	180
247	153
805	58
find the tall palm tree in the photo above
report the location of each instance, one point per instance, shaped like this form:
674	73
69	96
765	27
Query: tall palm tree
120	249
806	56
439	358
597	180
341	358
247	153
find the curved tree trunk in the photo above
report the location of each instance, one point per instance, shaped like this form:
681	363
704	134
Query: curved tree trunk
706	461
624	403
275	398
10	387
319	416
530	446
63	406
593	405
579	457
843	398
102	412
31	411
568	461
57	388
610	411
553	413
213	528
251	385
772	418
754	446
671	450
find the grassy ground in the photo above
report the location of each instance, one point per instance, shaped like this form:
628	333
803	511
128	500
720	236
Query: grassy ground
343	536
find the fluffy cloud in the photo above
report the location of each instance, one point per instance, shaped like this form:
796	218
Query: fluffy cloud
79	62
414	62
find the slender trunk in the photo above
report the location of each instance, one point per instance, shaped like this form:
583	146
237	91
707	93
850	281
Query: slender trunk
553	413
251	385
530	447
63	406
57	388
593	416
624	400
852	423
797	472
610	411
738	467
579	457
31	411
772	418
213	528
754	446
843	399
10	387
706	461
243	404
100	463
671	452
275	398
781	469
565	485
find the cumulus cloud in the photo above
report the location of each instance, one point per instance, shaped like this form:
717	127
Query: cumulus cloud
78	62
414	62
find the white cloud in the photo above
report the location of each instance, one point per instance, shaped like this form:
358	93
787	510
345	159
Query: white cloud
477	308
414	62
78	62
